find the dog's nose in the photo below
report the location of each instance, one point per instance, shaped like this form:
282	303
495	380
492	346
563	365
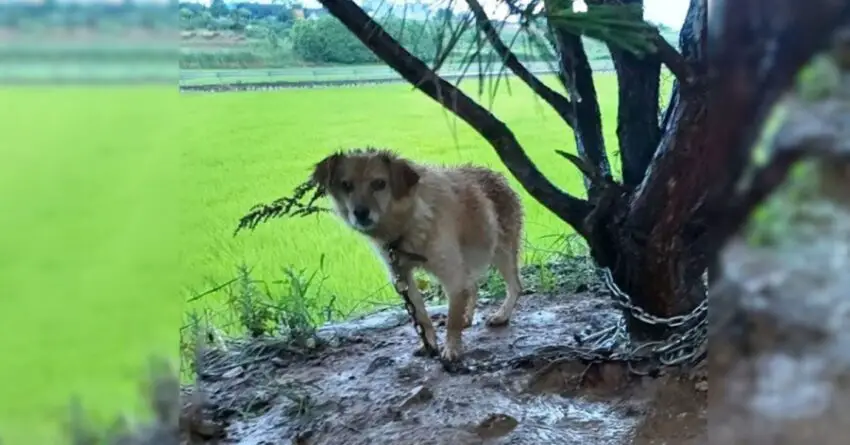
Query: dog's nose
361	214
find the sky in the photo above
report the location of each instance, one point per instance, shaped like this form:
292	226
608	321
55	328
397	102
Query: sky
669	12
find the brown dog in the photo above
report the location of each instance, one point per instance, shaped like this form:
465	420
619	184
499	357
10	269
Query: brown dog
460	219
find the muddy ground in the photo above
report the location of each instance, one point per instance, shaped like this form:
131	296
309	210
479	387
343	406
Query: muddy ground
366	387
779	366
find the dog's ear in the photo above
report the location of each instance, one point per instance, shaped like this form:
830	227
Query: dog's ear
324	171
402	177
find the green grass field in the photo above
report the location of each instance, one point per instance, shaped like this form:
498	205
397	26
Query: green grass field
95	178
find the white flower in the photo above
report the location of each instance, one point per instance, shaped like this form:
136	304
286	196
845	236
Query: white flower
579	6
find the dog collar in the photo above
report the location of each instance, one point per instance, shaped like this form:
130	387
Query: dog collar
394	249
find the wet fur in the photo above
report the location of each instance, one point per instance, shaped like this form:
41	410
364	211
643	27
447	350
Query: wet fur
462	219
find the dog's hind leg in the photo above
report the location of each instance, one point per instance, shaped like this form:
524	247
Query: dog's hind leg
507	261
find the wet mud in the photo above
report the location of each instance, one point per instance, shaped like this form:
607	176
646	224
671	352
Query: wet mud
367	387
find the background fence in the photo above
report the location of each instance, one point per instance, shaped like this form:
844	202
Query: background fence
341	75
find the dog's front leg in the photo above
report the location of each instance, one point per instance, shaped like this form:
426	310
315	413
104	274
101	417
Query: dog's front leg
447	264
458	286
422	317
459	297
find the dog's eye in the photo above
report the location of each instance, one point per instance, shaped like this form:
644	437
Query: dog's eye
379	184
347	186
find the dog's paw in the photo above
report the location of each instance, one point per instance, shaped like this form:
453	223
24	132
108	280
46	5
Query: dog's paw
451	352
497	319
424	351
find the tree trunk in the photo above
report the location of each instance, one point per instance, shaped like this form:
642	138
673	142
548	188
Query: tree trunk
643	230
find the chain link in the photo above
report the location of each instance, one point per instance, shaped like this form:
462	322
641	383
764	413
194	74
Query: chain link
683	346
402	288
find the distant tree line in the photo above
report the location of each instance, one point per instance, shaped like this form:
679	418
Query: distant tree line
278	34
312	36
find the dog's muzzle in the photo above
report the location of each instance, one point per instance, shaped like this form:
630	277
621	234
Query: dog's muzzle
362	217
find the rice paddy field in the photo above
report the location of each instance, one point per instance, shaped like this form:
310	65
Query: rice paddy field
88	264
119	204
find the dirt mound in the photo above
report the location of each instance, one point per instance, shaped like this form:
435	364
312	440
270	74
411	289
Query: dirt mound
366	387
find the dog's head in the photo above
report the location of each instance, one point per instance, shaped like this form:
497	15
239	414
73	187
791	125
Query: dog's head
365	185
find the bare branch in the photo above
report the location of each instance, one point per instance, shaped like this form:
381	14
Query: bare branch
569	208
675	62
560	103
587	169
682	122
637	109
590	143
577	76
638	78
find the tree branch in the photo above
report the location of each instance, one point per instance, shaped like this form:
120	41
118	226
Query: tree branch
672	172
569	208
577	76
637	110
558	102
674	61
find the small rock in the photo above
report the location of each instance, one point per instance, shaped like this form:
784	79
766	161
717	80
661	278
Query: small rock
233	373
410	373
259	401
206	429
394	414
496	425
701	386
420	394
378	363
302	437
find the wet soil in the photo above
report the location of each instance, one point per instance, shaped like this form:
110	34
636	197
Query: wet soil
780	336
366	387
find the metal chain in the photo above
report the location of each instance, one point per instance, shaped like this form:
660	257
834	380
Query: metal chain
639	313
402	287
680	347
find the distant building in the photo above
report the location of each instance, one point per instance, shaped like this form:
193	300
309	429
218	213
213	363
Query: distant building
314	13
